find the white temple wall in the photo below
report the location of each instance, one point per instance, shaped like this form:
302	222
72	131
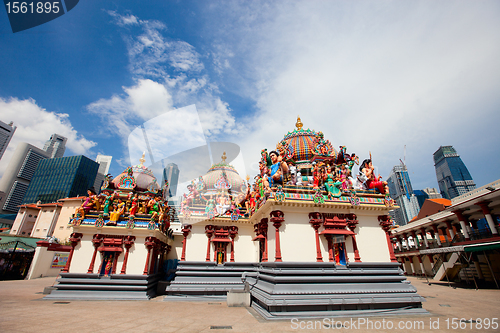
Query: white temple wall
63	230
245	250
297	238
371	239
196	246
136	257
83	255
176	251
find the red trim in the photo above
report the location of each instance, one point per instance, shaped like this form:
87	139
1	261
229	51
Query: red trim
337	232
484	240
110	249
54	247
258	237
222	240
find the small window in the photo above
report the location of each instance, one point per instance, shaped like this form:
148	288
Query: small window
30	215
51	211
44	229
36	216
37	230
23	233
61	227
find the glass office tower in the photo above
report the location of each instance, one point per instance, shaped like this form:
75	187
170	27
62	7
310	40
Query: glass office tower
452	175
61	177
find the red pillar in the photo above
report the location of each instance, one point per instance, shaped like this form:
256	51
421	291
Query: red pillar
75	238
277	218
186	229
233	231
263	231
330	249
386	223
128	244
117	254
149	245
316	220
96	241
352	222
209	231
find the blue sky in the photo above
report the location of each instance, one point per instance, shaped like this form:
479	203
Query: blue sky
372	75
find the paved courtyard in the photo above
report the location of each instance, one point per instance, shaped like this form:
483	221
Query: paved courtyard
23	310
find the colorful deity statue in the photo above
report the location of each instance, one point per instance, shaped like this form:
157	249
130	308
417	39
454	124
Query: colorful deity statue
210	207
87	204
119	209
332	184
108	201
134	206
373	182
276	171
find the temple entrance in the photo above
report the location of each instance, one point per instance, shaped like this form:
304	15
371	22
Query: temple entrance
339	253
107	263
220	252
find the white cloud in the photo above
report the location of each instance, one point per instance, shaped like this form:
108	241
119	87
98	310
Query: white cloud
372	76
169	75
35	125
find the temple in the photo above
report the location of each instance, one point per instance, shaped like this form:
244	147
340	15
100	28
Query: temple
309	237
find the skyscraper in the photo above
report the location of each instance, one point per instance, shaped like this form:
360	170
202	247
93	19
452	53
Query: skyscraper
17	177
62	177
401	191
6	133
452	175
55	146
104	163
171	174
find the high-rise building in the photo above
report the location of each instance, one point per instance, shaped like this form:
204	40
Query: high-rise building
452	175
104	163
401	191
55	146
61	177
427	193
6	133
17	177
171	174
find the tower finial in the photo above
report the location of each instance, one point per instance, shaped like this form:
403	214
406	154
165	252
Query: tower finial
143	158
298	124
224	157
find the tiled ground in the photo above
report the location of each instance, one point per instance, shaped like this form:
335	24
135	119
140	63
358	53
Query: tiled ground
23	310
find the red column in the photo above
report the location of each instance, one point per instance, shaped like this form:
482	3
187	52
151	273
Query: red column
149	245
96	241
75	238
117	254
277	218
330	249
209	231
186	229
315	219
263	231
233	231
386	223
129	241
351	224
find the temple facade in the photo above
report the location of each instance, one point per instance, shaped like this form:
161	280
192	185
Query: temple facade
318	211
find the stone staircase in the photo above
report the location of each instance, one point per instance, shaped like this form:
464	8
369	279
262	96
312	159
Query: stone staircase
80	286
205	281
320	290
